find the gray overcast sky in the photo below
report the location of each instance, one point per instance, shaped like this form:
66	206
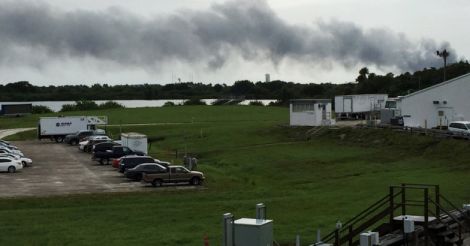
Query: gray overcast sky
157	41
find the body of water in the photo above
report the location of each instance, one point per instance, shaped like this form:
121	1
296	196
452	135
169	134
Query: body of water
57	105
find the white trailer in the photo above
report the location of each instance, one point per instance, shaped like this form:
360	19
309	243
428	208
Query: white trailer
135	141
57	128
354	106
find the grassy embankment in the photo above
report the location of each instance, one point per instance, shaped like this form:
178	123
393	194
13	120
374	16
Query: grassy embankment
248	157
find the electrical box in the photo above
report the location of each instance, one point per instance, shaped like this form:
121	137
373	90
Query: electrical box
408	225
253	232
374	238
369	238
135	141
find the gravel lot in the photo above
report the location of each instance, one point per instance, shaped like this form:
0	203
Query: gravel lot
60	169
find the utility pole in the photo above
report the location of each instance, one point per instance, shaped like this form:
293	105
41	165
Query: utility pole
444	54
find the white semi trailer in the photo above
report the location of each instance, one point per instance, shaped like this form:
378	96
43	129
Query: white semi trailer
56	128
359	106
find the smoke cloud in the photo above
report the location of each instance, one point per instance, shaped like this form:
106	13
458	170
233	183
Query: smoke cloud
33	32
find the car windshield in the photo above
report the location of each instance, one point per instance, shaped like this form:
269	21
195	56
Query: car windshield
467	125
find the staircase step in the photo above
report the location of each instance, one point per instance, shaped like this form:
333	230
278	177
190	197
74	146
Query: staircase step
453	226
437	226
446	234
452	240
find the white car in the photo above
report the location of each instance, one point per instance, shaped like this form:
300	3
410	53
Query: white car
25	161
12	151
11	165
460	127
83	143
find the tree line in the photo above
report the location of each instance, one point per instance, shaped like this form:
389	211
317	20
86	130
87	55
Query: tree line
366	82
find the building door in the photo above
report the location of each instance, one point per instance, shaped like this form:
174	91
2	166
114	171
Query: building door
444	116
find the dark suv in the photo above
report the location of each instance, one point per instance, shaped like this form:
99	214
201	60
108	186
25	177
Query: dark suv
74	139
132	161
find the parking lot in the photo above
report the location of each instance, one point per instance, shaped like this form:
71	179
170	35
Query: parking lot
60	169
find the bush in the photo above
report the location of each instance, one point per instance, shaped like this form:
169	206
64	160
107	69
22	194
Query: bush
85	105
41	109
168	104
110	104
68	107
194	102
256	103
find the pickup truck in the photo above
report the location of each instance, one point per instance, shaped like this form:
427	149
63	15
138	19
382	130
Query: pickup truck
173	174
116	152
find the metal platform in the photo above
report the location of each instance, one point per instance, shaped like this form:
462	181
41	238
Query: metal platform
415	218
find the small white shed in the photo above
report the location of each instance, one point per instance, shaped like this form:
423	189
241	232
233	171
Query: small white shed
311	112
437	105
135	141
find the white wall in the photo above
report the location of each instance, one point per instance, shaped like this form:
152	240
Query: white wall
420	106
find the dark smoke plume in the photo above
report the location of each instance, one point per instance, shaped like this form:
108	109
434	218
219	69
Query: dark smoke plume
248	28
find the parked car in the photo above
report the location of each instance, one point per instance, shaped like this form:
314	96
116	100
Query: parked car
74	139
459	127
174	174
24	161
149	168
116	152
4	142
132	161
8	146
11	165
87	144
101	147
11	151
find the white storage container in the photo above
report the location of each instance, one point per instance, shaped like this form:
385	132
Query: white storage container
135	141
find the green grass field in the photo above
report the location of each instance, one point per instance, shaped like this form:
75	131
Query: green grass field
249	156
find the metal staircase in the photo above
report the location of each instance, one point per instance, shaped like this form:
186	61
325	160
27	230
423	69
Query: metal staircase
439	222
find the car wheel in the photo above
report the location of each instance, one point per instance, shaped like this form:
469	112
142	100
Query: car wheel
24	163
11	169
157	183
195	181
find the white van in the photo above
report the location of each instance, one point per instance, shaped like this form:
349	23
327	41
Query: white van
460	127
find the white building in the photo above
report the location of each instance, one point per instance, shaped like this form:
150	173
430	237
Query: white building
311	112
350	106
437	105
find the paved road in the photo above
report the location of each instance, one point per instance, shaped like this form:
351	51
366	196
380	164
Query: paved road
8	132
60	169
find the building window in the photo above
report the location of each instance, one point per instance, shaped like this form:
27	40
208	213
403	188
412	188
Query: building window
302	107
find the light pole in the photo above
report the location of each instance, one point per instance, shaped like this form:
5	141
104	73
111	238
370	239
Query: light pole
444	54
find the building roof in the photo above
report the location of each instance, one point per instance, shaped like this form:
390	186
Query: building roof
435	86
377	94
310	101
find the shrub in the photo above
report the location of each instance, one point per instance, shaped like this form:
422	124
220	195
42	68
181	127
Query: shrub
256	103
168	104
41	109
194	102
85	105
110	104
89	105
68	107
